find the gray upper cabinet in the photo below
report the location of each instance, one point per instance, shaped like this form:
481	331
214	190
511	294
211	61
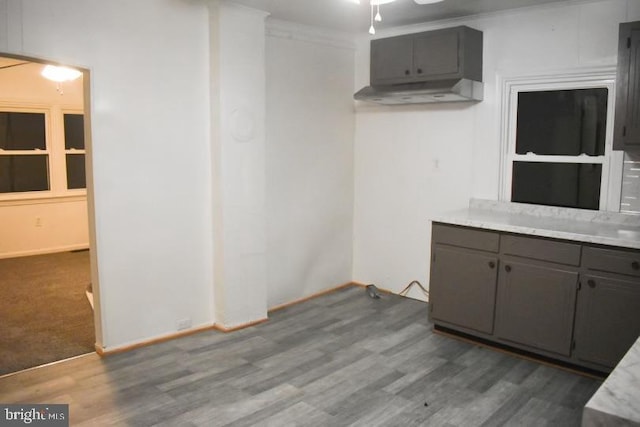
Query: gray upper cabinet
450	53
627	116
391	59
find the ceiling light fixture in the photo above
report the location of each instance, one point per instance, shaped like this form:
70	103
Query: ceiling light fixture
378	17
60	74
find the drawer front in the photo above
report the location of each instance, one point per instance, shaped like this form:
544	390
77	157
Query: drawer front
541	249
612	260
465	237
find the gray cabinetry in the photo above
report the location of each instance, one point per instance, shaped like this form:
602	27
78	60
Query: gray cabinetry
535	305
463	286
450	53
463	277
608	309
627	119
607	318
577	303
391	60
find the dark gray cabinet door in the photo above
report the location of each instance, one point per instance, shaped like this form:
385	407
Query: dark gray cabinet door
607	319
535	305
436	54
463	288
627	117
391	60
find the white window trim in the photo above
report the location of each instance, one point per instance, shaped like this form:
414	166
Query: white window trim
612	161
57	175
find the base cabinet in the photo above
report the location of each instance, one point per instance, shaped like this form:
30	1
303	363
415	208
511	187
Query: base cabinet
536	304
464	285
577	303
607	318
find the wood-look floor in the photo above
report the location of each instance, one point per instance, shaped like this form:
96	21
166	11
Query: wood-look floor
342	359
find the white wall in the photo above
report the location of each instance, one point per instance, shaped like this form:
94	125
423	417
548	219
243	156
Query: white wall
310	128
43	225
149	108
414	162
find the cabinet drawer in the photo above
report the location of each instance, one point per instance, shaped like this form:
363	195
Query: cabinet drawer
541	249
465	237
612	260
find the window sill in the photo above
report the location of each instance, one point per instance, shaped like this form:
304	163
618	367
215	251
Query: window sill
31	199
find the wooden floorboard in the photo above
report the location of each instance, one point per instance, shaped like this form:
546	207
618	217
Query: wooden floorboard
341	359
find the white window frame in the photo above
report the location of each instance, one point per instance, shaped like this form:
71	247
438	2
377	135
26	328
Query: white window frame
612	161
55	150
71	151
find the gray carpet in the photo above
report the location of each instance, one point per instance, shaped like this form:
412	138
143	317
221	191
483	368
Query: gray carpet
44	313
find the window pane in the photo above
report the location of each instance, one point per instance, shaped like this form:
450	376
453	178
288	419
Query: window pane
22	131
572	185
24	173
75	171
74	131
562	122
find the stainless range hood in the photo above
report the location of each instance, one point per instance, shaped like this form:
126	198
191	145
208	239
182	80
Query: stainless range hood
455	90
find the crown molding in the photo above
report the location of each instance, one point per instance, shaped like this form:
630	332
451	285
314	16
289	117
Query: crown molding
305	33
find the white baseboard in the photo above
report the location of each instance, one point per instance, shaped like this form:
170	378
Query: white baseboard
44	251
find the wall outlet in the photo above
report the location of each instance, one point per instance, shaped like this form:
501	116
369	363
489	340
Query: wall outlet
38	221
183	324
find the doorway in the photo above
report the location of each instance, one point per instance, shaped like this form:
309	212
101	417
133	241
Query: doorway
45	257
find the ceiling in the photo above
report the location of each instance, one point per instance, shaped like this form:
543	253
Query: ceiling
344	15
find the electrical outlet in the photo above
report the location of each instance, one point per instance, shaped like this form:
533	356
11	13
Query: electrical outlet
183	324
38	221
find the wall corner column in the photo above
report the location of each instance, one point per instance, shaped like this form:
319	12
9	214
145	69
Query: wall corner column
237	116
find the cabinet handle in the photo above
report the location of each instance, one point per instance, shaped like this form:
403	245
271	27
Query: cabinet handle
492	264
635	265
419	70
406	72
591	283
507	268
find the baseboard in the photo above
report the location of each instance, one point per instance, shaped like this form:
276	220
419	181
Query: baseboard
46	251
222	328
364	285
164	338
312	296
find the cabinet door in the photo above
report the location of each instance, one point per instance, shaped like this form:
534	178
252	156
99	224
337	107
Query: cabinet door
627	117
391	60
436	54
607	319
463	288
535	305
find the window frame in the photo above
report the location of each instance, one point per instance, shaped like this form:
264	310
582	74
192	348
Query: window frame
66	151
612	161
55	150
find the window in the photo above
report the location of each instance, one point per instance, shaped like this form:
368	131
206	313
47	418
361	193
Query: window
74	150
42	152
24	159
558	143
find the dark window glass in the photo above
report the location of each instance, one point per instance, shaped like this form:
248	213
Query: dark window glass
74	131
75	171
562	122
24	173
574	185
22	131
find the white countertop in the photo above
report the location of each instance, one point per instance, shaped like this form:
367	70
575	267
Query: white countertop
617	401
606	228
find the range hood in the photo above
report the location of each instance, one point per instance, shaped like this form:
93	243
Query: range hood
451	90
